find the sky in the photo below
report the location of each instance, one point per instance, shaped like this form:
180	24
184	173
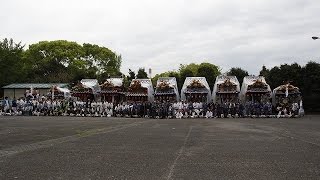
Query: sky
162	34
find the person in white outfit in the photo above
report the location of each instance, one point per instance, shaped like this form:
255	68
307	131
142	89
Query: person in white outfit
6	106
209	114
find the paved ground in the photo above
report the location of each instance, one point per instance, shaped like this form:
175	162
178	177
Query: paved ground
100	148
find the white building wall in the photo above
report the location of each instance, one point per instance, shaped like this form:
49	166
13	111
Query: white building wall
18	93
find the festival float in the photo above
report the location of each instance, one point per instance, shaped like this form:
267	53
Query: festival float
86	89
32	93
167	89
112	90
195	89
285	95
140	90
226	89
58	93
255	89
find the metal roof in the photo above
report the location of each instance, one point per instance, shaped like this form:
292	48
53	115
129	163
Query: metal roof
33	85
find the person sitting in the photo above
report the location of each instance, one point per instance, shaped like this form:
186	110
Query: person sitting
14	106
6	106
209	114
196	109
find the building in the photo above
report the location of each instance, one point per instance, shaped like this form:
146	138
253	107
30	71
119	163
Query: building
18	90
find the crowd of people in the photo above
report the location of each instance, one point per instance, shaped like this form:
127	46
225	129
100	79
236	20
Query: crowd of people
43	106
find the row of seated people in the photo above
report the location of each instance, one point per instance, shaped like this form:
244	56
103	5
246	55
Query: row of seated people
156	109
59	107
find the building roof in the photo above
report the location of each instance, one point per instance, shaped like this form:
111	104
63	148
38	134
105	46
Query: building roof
33	85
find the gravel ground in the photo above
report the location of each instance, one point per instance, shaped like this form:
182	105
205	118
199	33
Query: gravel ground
124	148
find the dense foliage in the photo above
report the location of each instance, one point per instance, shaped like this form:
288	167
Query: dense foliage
142	74
12	65
306	77
239	73
55	61
208	70
65	61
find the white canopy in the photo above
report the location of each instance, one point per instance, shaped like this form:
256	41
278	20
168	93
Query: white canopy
116	81
250	80
92	84
172	83
188	82
146	83
222	79
66	91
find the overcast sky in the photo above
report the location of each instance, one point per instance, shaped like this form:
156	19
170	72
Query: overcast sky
161	34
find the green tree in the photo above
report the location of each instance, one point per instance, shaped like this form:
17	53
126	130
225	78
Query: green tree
167	74
65	61
192	67
278	75
238	72
184	74
102	61
274	79
311	77
142	74
11	62
306	78
178	78
132	75
292	73
209	71
128	79
264	72
55	61
311	86
157	76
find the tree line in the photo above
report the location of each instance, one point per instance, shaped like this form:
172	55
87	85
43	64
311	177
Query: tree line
306	77
55	61
69	62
